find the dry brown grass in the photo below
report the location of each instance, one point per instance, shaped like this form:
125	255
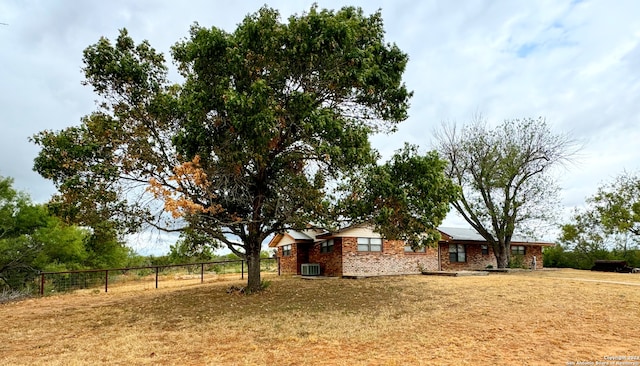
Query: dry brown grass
541	318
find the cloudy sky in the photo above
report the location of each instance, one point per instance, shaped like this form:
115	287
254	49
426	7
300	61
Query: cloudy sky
576	63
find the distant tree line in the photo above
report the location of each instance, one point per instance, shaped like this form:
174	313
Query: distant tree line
33	239
564	256
607	228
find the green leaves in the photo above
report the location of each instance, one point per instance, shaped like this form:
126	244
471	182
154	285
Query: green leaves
611	218
406	198
618	205
274	112
31	239
124	69
272	103
18	216
504	175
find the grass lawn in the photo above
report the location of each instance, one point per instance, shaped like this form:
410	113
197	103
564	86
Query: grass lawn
524	318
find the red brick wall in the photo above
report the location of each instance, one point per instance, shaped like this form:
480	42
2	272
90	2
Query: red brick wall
476	260
291	263
330	263
345	260
288	264
530	252
392	260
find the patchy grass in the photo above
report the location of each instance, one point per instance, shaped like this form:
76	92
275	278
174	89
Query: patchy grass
525	318
8	295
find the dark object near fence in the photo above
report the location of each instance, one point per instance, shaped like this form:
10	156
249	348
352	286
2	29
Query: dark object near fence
611	266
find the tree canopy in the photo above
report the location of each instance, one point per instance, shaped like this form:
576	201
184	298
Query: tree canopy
617	205
610	219
246	146
404	199
505	176
31	239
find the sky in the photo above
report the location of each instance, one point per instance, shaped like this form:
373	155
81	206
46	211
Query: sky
575	63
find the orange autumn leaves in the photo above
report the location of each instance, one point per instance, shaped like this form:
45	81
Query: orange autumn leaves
189	180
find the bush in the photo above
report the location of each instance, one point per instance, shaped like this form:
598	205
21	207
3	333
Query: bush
517	261
556	257
631	256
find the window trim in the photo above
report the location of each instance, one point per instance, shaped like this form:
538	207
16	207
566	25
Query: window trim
516	250
326	246
286	250
368	244
457	253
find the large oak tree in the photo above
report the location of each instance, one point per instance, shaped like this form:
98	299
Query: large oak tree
246	146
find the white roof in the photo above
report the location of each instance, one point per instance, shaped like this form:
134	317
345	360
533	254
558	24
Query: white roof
297	235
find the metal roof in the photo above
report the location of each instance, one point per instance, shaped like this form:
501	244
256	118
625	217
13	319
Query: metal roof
457	233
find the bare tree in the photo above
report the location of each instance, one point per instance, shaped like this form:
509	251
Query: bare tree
504	175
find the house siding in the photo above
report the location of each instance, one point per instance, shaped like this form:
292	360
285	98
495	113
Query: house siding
330	263
287	263
476	260
291	264
346	260
391	261
530	252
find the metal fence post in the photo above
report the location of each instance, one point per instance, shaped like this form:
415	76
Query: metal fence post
242	266
201	272
41	284
106	280
157	276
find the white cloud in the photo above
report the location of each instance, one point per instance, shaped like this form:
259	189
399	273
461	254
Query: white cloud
574	63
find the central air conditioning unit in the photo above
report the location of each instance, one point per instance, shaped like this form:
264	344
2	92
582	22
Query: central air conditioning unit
310	269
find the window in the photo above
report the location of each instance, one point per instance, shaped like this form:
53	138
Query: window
369	244
457	253
485	249
326	246
518	250
408	249
286	250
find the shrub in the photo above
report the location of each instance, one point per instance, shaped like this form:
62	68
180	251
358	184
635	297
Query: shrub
517	261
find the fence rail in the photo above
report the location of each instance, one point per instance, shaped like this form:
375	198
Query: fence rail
94	278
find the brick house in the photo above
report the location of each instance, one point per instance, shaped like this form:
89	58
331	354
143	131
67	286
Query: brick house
359	251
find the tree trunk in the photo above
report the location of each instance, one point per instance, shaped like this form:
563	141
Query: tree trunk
253	267
502	255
